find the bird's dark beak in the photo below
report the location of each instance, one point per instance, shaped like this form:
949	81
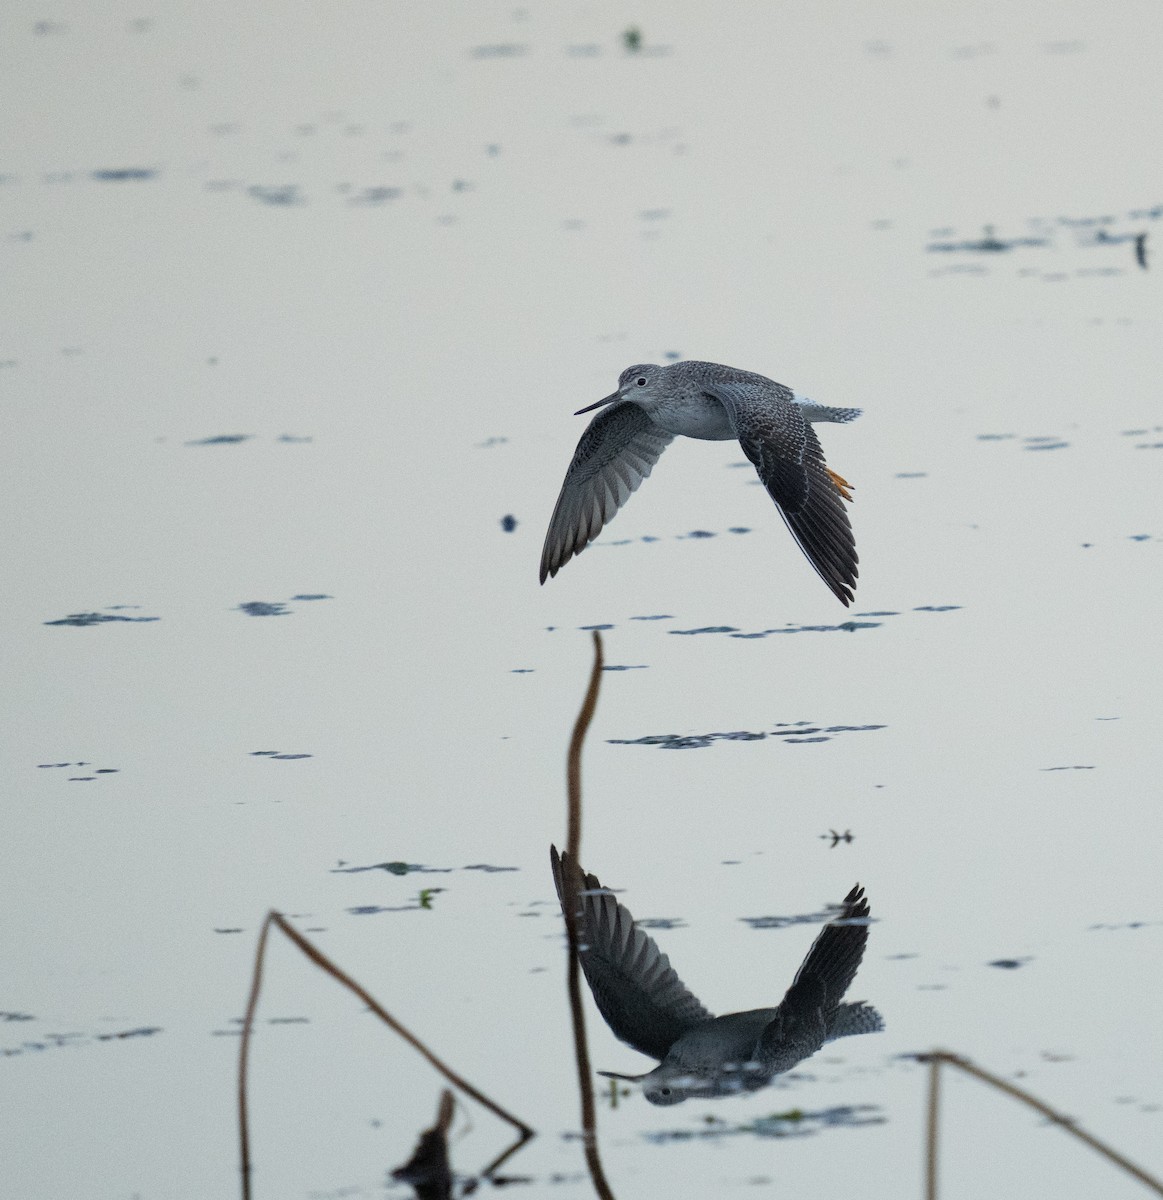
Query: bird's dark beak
599	403
624	1078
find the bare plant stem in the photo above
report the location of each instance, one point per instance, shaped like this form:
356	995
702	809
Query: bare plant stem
931	1139
325	964
936	1057
569	906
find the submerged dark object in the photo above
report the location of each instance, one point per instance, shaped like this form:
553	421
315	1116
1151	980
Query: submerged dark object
428	1170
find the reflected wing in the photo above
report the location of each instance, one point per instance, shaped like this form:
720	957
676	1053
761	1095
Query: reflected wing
617	451
786	452
830	966
635	988
808	1014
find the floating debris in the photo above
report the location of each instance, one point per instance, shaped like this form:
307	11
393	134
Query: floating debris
837	838
1009	964
274	754
222	439
508	522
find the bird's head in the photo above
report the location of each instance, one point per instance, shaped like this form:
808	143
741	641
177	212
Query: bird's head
635	383
670	1084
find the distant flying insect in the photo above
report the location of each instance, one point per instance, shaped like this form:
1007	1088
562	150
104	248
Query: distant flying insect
647	1006
709	402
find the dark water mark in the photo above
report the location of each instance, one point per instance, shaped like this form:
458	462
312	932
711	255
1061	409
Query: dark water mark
843	627
276	754
278	608
828	913
372	197
98	618
286	195
55	1041
122	174
508	523
394	867
794	1122
81	765
1009	964
792	733
221	439
264	608
500	50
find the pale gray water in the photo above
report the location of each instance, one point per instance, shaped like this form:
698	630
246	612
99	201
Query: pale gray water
251	258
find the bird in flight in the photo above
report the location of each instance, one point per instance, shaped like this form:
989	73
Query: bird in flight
647	1006
710	402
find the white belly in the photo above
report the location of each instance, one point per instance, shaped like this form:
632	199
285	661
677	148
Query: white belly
695	417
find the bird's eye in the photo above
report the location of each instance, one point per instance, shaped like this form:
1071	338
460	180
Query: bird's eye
641	381
664	1091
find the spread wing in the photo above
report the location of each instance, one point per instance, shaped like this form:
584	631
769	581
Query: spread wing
807	1015
634	986
830	966
787	455
617	451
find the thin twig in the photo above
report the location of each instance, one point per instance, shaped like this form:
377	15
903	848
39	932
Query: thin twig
244	1055
325	964
570	903
931	1139
1059	1119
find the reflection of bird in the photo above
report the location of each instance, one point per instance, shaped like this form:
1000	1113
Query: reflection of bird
647	1006
712	403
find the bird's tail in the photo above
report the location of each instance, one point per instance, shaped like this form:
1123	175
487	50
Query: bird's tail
851	1019
821	412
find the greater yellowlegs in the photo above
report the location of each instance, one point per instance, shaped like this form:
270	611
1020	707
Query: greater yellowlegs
711	402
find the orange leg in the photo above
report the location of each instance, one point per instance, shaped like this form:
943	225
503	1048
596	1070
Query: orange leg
841	483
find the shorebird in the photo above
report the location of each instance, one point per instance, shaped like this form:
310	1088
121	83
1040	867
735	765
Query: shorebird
647	1006
713	403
